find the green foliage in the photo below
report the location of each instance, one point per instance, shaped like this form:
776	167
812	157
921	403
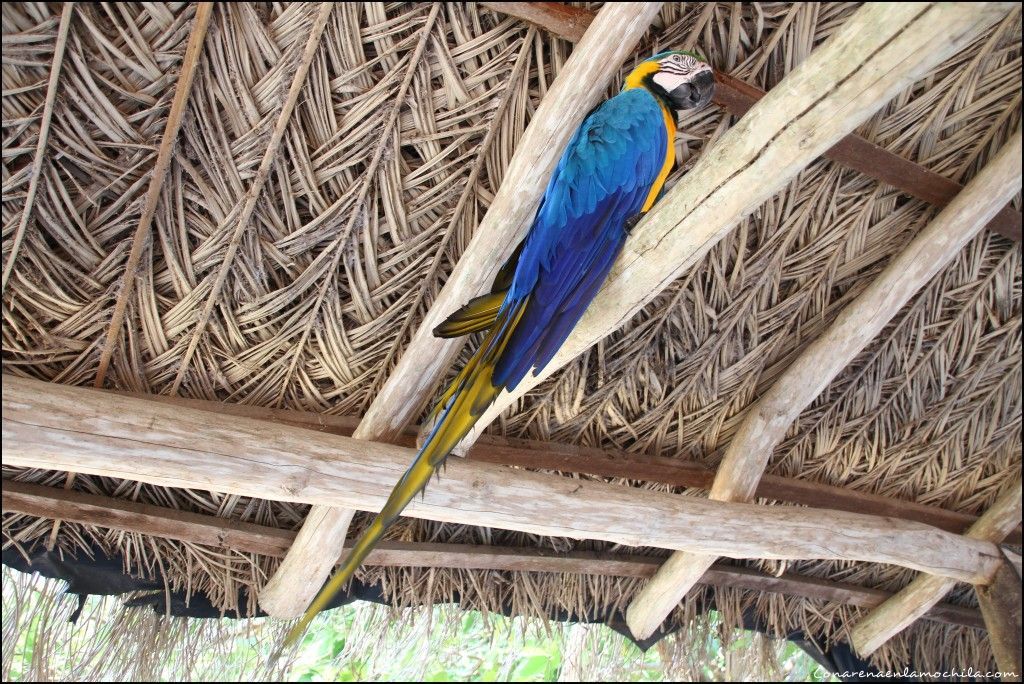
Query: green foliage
364	642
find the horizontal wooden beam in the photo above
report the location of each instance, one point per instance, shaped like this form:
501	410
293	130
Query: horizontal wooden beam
97	433
570	458
910	603
737	96
196	528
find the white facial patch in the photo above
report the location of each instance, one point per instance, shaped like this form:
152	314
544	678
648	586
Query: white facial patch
670	80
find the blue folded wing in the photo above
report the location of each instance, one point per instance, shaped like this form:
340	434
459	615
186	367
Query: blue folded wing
603	179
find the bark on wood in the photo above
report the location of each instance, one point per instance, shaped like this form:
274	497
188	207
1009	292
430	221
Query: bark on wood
900	611
570	458
129	516
1001	606
92	432
579	85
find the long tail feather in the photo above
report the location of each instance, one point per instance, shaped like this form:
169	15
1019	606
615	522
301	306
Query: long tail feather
463	403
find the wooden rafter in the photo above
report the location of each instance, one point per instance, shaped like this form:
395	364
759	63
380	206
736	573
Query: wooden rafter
427	359
130	516
765	424
140	239
570	458
900	611
98	433
737	97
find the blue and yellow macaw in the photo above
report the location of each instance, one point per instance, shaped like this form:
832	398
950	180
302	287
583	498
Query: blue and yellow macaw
610	174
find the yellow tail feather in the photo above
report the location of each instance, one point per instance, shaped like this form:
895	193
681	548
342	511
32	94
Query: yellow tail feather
470	394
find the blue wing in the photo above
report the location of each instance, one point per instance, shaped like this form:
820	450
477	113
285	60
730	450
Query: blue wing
602	180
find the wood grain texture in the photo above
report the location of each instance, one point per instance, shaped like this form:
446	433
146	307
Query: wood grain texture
92	432
571	458
1000	604
129	516
426	360
765	424
900	611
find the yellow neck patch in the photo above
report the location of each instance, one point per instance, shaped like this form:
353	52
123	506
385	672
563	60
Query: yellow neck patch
636	77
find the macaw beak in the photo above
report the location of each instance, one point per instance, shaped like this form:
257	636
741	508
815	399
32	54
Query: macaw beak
695	94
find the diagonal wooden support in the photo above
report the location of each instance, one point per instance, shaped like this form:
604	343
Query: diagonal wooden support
425	362
1001	605
98	433
766	423
140	239
234	535
737	97
878	52
900	611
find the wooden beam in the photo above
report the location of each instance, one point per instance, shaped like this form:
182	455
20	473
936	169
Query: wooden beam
427	359
737	96
900	611
765	424
129	516
98	433
141	238
1001	606
570	458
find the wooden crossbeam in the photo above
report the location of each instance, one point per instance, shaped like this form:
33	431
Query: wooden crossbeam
737	97
900	611
130	516
765	424
98	433
427	359
569	458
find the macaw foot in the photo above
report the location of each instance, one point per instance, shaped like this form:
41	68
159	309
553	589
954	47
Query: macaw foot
631	222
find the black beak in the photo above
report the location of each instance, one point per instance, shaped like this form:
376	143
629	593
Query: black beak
695	94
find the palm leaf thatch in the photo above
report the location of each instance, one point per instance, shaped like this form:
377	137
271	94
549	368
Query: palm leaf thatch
396	144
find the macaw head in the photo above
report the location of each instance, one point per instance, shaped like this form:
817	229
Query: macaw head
682	79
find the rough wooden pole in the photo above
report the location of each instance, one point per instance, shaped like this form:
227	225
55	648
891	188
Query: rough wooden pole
580	84
99	433
234	535
140	239
572	458
765	424
878	52
899	612
1001	605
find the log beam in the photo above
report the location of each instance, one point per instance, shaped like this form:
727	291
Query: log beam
233	535
97	433
570	458
1001	606
737	96
900	611
765	424
617	28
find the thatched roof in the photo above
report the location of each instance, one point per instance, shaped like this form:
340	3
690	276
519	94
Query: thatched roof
332	274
